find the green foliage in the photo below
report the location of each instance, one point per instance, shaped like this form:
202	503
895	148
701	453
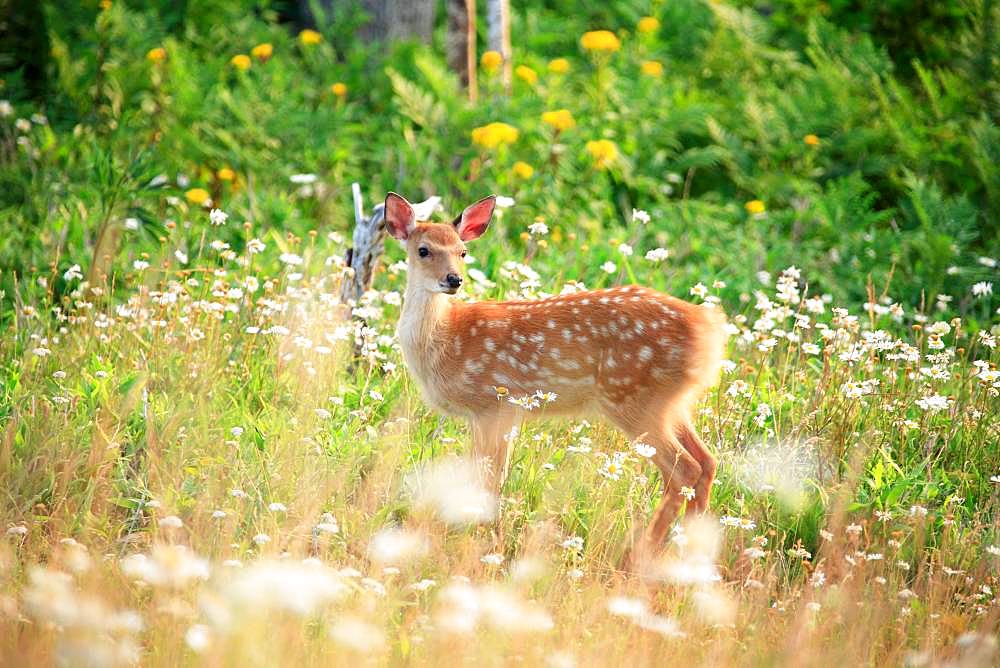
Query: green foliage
901	178
908	29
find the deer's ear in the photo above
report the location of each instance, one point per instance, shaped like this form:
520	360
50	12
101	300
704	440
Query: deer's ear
475	219
400	220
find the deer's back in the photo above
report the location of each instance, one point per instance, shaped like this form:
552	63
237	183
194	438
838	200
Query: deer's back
589	348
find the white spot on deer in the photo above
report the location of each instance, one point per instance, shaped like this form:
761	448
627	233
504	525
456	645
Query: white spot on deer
576	311
610	361
613	326
645	353
502	379
490	345
635	298
519	337
567	335
590	359
551	324
639	327
473	331
618	300
480	322
516	348
664	342
569	365
585	301
474	366
604	300
555	353
537	339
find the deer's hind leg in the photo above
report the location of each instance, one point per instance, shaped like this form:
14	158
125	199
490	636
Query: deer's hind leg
695	447
677	467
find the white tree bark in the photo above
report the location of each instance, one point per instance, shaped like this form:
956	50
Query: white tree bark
368	245
498	23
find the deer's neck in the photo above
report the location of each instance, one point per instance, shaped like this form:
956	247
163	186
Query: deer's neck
423	314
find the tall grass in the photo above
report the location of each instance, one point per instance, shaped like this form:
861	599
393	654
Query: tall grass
206	458
196	469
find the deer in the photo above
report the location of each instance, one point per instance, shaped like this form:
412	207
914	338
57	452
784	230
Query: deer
638	358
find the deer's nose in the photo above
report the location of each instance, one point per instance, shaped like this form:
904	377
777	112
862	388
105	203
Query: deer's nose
454	280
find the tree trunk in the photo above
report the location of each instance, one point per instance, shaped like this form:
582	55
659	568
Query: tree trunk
392	20
388	20
498	21
367	247
461	45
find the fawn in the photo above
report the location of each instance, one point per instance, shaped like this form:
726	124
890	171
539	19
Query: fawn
640	358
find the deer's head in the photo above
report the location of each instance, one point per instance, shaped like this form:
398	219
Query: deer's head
434	251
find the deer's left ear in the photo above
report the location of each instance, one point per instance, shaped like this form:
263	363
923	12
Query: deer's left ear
475	219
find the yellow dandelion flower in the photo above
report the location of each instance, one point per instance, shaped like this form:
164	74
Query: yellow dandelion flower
600	40
105	4
652	68
339	89
495	134
526	74
491	61
262	51
225	174
560	119
811	140
523	170
240	61
559	66
157	55
754	207
197	196
309	37
603	151
648	24
501	391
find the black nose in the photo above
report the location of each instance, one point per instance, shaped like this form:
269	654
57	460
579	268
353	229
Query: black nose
454	280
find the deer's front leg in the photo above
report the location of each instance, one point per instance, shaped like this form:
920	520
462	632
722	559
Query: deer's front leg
491	448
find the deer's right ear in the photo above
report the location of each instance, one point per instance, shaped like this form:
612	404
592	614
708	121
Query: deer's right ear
400	220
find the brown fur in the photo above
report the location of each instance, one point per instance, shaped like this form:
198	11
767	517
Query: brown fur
640	358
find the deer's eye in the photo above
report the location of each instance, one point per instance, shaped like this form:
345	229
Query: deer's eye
423	251
464	253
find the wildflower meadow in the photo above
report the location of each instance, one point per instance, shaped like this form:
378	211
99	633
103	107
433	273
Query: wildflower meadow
209	456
